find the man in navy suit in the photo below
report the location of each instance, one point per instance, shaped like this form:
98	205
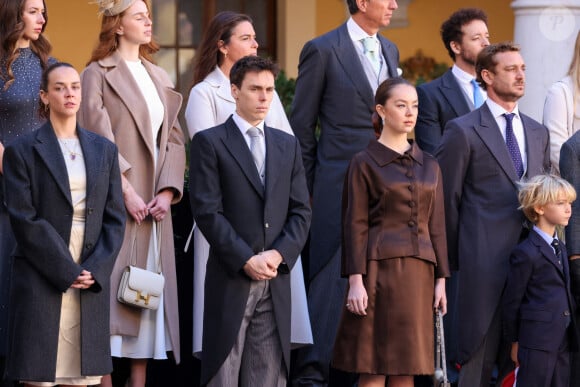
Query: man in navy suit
249	198
452	95
338	74
483	155
464	35
537	306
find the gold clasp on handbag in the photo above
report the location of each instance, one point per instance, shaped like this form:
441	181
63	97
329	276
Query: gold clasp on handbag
142	297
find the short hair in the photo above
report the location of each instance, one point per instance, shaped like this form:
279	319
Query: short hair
541	190
251	64
451	28
352	7
486	58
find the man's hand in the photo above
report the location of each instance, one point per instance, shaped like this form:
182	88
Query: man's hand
260	267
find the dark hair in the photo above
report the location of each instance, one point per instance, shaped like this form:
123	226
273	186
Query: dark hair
11	29
208	54
384	92
352	7
43	109
486	58
108	39
451	28
250	64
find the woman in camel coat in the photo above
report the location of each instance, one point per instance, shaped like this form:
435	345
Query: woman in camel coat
152	159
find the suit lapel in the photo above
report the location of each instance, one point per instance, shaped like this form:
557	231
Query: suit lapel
50	152
451	91
534	151
92	156
348	57
491	136
120	79
547	252
236	144
217	80
392	61
274	158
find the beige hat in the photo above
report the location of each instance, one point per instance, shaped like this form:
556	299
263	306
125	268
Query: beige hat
113	7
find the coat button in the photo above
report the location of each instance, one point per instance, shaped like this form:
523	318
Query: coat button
89	246
566	313
411	223
90	211
411	188
411	203
267	225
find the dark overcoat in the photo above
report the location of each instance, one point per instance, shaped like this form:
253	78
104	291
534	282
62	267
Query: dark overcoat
240	217
333	90
481	213
38	198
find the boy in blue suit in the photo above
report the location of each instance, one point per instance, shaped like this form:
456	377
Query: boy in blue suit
537	304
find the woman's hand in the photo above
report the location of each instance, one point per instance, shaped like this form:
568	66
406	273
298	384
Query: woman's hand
440	301
134	204
160	205
357	300
84	281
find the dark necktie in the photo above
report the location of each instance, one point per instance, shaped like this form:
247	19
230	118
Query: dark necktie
512	144
556	245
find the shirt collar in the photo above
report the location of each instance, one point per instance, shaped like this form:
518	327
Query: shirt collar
547	237
355	32
497	110
384	155
461	75
244	125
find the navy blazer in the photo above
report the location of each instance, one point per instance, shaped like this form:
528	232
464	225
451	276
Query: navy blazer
38	198
482	219
240	217
440	101
537	305
333	90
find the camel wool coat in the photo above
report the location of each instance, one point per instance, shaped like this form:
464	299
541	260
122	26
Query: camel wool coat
113	106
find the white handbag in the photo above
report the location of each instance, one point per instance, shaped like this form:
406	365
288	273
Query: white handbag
140	287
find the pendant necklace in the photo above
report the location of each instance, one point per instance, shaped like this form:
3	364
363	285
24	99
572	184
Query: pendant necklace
72	153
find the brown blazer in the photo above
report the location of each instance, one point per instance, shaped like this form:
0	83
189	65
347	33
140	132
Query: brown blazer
113	107
389	212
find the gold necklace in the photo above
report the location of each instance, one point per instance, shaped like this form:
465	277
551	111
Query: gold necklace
71	153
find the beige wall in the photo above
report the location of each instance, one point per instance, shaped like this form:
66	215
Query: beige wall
73	29
74	26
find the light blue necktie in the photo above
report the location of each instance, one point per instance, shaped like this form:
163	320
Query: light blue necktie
477	97
371	51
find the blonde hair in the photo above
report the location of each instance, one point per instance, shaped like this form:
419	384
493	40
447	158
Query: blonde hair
541	190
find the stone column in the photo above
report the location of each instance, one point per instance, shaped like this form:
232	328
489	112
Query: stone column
546	31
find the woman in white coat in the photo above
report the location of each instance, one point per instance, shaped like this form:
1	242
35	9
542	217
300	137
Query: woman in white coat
229	37
561	108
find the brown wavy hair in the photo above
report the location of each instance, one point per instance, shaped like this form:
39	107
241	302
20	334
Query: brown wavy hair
208	55
11	29
109	40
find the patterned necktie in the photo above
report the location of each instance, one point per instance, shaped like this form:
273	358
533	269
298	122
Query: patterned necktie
556	245
371	51
258	151
477	96
512	144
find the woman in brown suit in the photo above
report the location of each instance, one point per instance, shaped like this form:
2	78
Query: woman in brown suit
132	102
394	249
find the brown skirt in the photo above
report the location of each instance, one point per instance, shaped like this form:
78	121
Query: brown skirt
396	335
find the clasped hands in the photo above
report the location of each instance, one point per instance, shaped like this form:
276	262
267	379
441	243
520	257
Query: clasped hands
264	265
84	281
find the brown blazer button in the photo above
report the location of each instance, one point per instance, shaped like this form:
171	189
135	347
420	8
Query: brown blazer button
411	223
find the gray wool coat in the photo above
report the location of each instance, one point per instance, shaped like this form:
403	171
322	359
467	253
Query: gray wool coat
38	198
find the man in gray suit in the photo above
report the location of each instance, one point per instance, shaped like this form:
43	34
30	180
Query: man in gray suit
455	93
483	155
338	74
249	198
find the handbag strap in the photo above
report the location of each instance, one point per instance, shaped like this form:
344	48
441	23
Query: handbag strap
133	257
